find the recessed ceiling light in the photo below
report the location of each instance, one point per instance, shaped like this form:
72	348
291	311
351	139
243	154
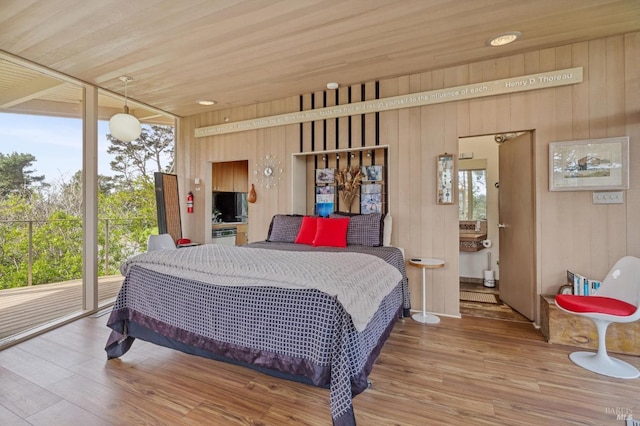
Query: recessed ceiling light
206	102
504	38
332	86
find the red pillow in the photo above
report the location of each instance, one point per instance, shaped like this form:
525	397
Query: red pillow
331	232
307	231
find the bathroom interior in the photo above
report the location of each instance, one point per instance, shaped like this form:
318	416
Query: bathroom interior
478	177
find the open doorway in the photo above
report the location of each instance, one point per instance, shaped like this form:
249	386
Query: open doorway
480	234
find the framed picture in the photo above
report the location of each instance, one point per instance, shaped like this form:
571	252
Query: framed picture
372	173
371	188
589	165
445	179
370	203
325	175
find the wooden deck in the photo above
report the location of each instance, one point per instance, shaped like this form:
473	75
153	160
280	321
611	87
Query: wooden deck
24	308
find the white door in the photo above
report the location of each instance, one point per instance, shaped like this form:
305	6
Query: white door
517	225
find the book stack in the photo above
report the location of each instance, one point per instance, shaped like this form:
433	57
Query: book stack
582	285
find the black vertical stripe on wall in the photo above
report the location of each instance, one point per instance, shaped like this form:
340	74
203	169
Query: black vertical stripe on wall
362	117
377	115
337	120
313	124
300	108
324	122
385	179
349	118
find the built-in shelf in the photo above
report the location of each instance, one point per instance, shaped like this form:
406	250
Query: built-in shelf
302	173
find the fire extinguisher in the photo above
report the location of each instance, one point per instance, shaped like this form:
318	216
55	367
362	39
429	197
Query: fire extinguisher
190	202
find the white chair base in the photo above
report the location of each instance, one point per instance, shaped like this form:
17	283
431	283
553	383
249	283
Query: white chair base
605	365
426	318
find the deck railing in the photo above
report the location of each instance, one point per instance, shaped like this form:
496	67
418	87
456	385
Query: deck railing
46	244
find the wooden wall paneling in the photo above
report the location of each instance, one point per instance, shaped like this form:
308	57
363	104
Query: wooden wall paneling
463	108
331	126
256	218
529	119
282	190
615	93
424	147
261	212
307	127
548	278
356	120
475	105
617	226
555	204
452	275
403	218
598	92
415	191
489	110
599	259
370	118
632	129
413	187
319	141
562	113
502	114
442	215
580	199
389	130
269	144
292	138
342	123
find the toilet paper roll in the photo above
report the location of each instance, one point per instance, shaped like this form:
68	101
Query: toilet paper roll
486	243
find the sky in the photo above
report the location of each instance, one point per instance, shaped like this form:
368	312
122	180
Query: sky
55	142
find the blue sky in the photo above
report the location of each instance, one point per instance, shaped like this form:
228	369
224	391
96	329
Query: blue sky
55	142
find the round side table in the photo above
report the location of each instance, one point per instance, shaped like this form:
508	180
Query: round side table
426	263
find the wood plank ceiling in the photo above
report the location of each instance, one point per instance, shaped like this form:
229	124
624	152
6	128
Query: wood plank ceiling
240	52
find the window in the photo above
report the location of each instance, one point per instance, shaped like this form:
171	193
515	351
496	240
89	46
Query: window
472	190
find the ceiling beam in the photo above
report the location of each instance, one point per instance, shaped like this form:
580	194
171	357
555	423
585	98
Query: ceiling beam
29	90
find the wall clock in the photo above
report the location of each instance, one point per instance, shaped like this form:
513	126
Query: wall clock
268	171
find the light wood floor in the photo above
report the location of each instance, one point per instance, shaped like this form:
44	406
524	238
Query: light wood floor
463	371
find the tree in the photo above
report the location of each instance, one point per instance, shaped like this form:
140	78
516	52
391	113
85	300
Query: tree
137	158
15	175
48	218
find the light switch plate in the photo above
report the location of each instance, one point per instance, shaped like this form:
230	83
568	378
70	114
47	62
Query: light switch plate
608	197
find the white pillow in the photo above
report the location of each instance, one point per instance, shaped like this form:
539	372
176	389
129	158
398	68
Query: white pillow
386	237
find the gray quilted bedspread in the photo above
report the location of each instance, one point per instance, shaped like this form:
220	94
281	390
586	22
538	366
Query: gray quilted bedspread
359	281
304	333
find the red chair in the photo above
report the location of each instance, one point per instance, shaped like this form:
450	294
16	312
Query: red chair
617	300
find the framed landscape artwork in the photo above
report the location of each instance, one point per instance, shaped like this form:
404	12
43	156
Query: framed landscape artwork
589	165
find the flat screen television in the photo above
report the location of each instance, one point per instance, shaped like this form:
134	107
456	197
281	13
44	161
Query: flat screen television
232	206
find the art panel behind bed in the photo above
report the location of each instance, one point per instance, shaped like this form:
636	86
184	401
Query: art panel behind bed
241	324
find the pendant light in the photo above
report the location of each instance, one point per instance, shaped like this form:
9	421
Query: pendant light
124	126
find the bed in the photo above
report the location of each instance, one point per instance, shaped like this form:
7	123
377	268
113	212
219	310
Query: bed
311	313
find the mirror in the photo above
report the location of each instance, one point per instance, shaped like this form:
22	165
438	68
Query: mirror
472	189
444	179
